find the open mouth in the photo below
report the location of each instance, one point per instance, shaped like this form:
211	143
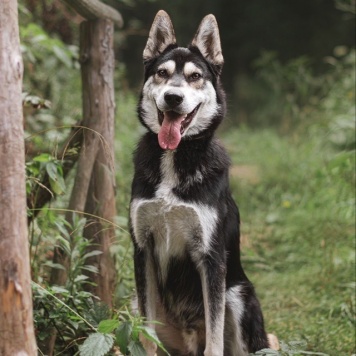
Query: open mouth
173	125
171	115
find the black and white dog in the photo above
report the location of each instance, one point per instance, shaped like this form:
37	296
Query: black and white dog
184	222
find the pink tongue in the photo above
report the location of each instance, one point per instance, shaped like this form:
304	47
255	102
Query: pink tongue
169	135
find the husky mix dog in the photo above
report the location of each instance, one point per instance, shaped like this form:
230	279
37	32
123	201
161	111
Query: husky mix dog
184	222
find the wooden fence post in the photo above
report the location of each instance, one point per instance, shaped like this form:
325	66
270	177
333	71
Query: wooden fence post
97	54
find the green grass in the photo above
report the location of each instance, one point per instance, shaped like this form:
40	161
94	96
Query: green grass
297	208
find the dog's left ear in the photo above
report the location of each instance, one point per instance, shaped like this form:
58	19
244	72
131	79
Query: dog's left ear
207	39
160	37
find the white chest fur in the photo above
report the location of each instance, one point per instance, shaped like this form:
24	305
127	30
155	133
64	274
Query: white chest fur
172	222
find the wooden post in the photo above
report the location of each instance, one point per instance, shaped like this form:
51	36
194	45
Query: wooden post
96	43
16	324
94	188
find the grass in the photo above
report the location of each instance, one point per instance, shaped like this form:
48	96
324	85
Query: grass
296	199
297	209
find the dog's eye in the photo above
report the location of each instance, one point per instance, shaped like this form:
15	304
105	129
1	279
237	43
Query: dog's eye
195	76
162	73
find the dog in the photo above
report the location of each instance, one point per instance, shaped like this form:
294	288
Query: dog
183	220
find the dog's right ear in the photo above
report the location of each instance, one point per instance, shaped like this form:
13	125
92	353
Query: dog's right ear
207	40
160	37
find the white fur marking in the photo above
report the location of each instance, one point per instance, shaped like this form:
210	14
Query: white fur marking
235	310
170	220
151	292
214	336
169	66
190	68
207	216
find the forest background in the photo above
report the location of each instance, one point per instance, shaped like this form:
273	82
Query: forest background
290	79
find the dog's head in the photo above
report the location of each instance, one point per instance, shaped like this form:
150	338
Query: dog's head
181	96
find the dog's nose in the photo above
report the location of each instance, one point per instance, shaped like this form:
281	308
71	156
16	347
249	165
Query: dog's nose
173	99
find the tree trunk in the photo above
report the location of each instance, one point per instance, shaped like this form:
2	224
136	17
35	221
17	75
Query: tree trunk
16	324
99	106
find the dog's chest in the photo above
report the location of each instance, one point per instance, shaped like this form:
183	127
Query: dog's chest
174	224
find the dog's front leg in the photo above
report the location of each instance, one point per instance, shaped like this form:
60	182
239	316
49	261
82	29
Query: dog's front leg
213	283
146	288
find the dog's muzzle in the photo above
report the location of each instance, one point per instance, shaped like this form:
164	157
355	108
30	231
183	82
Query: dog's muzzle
173	125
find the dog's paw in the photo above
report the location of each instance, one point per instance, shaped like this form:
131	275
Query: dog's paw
273	341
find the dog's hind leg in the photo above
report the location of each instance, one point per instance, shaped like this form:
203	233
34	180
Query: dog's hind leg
244	321
213	285
146	292
234	344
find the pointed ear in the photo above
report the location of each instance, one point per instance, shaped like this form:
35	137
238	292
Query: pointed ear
207	39
160	37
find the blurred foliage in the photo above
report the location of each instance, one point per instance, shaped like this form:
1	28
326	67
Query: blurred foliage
289	95
348	6
51	84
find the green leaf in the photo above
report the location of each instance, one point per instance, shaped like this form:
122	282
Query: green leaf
266	352
54	265
151	335
136	349
298	345
44	157
51	169
63	243
108	326
313	353
123	336
57	185
98	311
90	268
96	345
62	55
58	289
80	278
293	346
92	253
62	229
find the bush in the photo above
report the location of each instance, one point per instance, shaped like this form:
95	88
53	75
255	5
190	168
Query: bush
293	95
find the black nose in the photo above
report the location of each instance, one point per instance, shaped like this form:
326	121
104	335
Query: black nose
173	100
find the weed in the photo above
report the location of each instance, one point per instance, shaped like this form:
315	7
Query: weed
123	331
